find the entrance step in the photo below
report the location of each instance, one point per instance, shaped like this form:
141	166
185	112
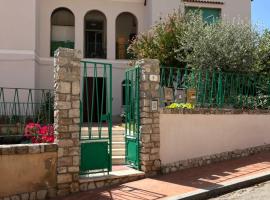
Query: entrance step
118	145
118	160
95	181
118	152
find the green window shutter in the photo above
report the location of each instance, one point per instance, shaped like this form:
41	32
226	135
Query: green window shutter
210	15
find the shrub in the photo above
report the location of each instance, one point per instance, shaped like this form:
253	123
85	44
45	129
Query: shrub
222	45
263	53
181	40
161	41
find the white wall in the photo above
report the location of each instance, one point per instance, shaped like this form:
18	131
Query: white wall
161	8
191	136
17	43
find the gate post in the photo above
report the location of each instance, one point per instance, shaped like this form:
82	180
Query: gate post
67	118
149	114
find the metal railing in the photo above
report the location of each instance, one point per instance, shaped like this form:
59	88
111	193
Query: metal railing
21	106
215	89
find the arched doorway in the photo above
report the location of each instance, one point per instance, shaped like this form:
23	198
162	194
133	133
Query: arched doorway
126	31
62	29
95	35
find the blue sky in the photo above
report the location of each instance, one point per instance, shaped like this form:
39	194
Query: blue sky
261	13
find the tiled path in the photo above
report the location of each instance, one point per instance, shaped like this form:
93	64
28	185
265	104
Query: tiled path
181	182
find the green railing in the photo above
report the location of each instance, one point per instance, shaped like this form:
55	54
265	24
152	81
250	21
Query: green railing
215	89
20	106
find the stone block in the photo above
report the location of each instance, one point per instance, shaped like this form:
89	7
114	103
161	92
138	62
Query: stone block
76	88
62	170
74	187
32	196
91	186
63	87
64	161
51	148
74	151
62	105
74	169
83	187
33	149
41	194
64	178
25	196
72	113
15	197
76	160
65	143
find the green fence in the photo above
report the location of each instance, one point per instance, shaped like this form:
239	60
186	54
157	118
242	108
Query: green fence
215	89
96	118
21	106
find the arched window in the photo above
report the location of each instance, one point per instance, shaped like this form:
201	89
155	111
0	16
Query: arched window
62	29
95	36
126	31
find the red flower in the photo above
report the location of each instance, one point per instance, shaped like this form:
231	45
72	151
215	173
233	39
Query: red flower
39	134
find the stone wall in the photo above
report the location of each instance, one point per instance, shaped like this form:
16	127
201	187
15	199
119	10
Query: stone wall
67	119
28	171
214	158
150	134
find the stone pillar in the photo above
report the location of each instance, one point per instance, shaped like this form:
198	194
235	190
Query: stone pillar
149	107
67	118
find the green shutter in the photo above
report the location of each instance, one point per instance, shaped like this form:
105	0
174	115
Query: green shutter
210	15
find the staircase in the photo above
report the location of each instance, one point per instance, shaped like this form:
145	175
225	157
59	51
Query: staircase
118	142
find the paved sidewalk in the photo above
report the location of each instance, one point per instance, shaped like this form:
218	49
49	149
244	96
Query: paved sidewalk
185	183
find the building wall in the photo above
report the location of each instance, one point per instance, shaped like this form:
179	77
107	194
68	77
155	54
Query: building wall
80	8
26	34
188	136
17	43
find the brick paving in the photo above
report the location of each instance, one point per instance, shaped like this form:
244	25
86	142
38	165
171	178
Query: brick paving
181	182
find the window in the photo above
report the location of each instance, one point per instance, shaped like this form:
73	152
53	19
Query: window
62	29
95	36
210	15
126	31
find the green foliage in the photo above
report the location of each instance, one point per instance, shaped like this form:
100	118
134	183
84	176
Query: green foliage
221	45
46	110
181	40
161	41
263	52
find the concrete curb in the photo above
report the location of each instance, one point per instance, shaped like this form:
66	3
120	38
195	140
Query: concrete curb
228	186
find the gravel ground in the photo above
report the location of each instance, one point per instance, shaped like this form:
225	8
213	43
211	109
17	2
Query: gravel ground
258	192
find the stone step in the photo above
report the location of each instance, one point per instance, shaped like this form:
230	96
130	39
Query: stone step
118	145
118	160
118	152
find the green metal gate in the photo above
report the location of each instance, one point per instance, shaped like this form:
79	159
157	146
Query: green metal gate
132	117
96	118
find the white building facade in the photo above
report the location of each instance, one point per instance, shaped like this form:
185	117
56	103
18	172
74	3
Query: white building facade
102	29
